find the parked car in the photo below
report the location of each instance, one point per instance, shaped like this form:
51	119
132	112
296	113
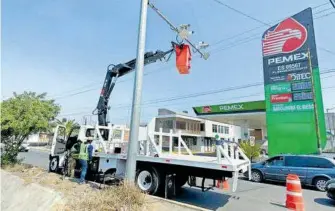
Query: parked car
312	170
24	147
330	188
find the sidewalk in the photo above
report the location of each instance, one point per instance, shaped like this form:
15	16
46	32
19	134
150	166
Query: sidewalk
26	187
41	148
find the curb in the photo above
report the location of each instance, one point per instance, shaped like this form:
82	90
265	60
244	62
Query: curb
40	149
179	203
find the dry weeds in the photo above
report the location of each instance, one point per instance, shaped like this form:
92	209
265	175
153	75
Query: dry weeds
125	197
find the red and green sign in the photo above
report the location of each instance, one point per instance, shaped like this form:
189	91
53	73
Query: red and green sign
294	108
230	108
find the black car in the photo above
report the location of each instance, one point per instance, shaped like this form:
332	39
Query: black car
330	188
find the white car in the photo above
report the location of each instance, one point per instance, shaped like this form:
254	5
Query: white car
24	147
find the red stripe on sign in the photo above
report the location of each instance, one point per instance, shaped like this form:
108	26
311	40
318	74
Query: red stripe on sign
224	167
281	98
168	161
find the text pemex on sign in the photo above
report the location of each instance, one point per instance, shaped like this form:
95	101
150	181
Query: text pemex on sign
292	86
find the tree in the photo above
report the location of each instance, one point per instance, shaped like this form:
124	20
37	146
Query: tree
251	151
69	125
22	115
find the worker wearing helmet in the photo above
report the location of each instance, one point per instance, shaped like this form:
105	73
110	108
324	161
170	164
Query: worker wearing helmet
84	156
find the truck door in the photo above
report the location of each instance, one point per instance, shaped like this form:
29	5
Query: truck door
58	141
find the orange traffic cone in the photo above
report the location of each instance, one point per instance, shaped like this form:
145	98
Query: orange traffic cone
294	200
225	185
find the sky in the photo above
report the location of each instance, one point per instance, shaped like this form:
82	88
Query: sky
63	48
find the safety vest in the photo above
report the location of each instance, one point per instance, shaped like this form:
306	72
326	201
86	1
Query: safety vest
83	153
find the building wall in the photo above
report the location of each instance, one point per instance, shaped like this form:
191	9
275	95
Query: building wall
204	141
234	131
177	124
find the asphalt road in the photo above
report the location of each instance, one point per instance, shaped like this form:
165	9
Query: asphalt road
249	196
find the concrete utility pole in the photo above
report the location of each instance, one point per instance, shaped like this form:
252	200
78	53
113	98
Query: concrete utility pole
137	95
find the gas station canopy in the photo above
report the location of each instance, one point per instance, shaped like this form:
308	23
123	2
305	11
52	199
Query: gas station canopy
250	114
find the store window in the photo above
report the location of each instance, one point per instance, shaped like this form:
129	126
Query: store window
226	130
214	128
202	127
181	125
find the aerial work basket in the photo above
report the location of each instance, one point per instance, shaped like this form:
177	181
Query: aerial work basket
183	58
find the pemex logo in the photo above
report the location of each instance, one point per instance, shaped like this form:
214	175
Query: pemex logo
206	109
288	36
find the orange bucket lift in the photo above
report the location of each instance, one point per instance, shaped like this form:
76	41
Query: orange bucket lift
183	58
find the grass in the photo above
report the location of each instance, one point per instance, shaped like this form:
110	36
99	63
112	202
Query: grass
125	196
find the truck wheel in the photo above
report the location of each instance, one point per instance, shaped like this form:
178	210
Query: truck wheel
148	180
109	177
53	164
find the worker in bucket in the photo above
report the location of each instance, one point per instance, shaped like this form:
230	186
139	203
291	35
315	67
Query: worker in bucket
84	156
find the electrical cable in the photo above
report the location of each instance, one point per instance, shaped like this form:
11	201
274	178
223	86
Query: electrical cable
194	95
321	11
259	21
240	12
325	15
253	18
88	112
332	3
239	42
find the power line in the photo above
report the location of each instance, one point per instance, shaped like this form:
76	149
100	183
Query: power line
326	3
321	11
327	50
199	94
240	12
332	3
118	82
82	113
238	42
325	15
253	18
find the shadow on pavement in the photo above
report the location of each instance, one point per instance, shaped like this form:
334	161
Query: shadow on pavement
208	200
277	183
278	204
325	202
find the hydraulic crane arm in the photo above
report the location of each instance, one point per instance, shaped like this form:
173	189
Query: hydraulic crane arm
113	73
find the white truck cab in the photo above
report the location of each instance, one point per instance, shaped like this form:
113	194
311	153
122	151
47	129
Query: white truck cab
101	136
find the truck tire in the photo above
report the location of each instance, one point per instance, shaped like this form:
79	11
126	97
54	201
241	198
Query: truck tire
53	164
148	180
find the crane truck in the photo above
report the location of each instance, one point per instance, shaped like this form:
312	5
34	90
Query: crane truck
157	171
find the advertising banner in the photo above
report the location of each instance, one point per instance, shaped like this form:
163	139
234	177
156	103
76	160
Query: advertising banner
294	108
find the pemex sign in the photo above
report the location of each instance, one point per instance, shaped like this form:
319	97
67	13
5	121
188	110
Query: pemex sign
242	107
294	108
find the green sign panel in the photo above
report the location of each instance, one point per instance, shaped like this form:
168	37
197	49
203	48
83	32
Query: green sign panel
280	88
230	108
294	109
